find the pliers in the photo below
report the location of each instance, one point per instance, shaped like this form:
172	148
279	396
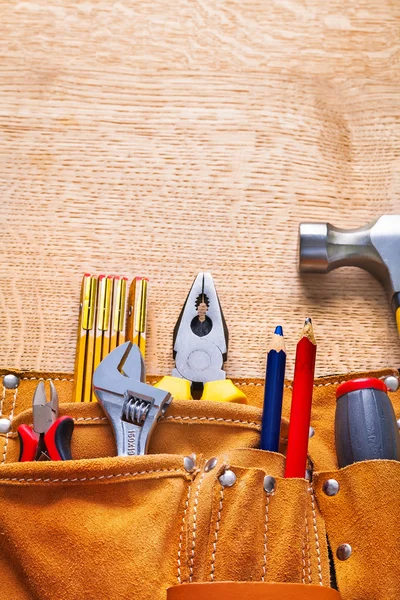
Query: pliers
200	347
50	436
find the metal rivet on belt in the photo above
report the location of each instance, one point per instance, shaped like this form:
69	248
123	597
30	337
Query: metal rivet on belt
343	552
311	432
331	487
228	478
189	463
392	383
5	425
10	381
398	423
269	484
210	464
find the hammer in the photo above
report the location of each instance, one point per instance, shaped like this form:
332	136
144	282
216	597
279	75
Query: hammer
374	247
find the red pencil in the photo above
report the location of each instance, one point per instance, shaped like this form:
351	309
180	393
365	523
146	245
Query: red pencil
300	412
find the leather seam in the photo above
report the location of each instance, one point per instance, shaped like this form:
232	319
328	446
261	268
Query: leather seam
179	574
216	533
90	419
64	379
94	478
193	549
217	419
303	559
264	567
317	546
13	434
288	387
309	566
3	397
181	418
306	546
238	383
14	402
47	379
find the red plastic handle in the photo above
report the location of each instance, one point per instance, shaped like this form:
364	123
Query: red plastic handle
360	384
58	439
29	441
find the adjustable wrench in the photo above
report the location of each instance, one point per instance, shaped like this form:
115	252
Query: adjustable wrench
132	406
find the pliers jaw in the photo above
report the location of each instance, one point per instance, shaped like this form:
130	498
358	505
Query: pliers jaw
200	349
200	342
44	413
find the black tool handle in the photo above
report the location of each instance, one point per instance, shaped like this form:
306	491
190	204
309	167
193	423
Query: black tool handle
365	423
58	439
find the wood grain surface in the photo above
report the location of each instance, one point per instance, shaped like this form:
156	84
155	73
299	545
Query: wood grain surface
164	138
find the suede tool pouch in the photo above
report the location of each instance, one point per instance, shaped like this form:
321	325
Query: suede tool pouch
102	526
364	515
131	527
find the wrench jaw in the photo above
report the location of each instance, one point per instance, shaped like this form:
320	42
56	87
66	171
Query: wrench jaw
117	368
132	406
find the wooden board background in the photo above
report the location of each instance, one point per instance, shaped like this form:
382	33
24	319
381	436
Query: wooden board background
164	138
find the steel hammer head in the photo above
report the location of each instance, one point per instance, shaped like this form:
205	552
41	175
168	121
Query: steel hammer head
374	247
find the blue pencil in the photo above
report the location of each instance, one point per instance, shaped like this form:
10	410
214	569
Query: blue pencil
273	393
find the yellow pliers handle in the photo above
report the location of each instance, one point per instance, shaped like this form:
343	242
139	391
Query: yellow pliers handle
223	390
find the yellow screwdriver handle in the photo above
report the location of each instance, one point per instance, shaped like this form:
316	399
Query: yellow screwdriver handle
177	387
223	390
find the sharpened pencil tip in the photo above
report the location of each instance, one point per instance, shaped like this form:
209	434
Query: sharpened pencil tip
308	330
278	341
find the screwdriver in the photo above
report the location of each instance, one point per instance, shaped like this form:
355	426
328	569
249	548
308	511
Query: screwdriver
365	422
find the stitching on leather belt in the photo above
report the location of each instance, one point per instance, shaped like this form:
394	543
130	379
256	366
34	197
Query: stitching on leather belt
98	477
217	419
314	520
264	566
15	395
217	526
90	419
306	545
47	379
238	383
193	550
64	379
179	561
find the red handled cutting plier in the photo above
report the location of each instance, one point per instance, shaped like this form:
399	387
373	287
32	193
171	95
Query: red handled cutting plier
50	436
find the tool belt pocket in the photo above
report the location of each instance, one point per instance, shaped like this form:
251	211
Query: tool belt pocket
247	523
123	527
101	528
360	505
